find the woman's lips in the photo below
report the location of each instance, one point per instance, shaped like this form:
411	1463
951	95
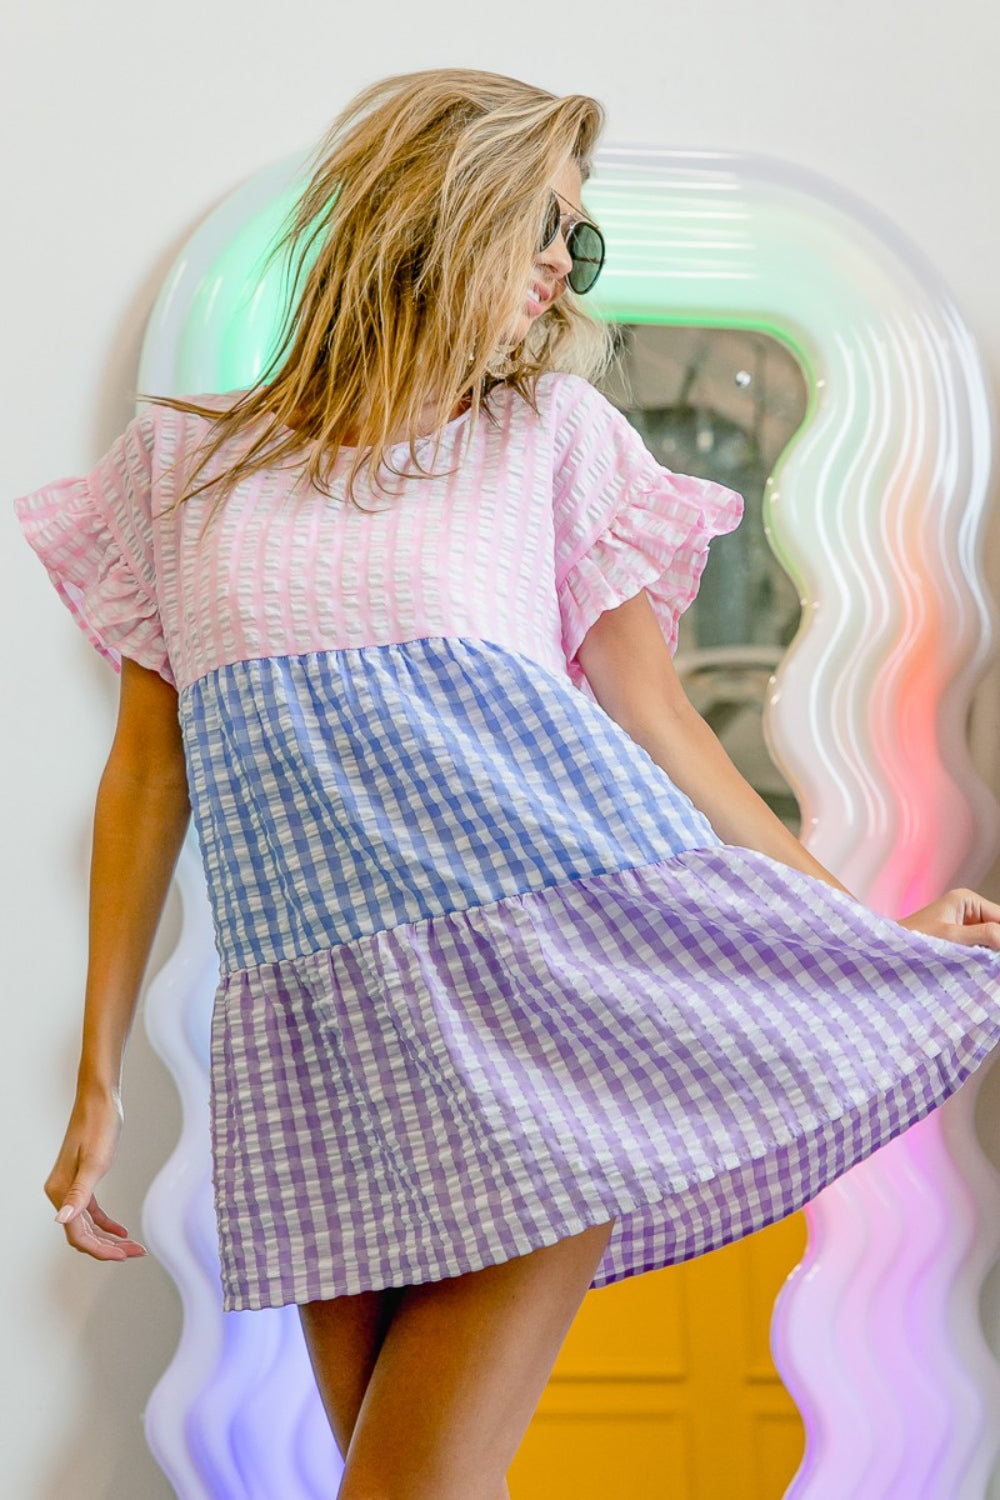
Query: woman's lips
538	298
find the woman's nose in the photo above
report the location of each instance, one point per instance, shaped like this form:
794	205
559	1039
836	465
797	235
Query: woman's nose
556	257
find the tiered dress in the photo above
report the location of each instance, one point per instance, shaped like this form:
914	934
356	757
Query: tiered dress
487	976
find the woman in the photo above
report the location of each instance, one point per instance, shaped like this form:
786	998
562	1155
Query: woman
524	990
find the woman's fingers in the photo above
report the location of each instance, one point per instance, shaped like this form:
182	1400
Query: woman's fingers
105	1221
88	1228
985	911
961	916
975	935
968	908
87	1153
86	1233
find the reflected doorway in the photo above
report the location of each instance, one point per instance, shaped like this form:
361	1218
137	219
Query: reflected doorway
665	1385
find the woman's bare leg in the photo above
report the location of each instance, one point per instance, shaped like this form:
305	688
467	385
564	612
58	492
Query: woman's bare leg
343	1337
460	1371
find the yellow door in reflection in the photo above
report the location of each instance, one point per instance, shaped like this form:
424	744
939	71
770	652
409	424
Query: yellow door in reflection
665	1388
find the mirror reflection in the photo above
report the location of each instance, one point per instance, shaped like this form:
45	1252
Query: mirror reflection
723	404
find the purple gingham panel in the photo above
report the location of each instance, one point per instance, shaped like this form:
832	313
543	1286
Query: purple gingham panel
695	1048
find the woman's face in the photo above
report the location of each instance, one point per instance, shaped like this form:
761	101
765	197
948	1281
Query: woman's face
547	279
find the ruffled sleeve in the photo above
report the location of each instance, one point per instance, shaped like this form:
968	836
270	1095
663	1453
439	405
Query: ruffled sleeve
94	535
623	522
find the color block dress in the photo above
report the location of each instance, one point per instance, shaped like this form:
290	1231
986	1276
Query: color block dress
487	977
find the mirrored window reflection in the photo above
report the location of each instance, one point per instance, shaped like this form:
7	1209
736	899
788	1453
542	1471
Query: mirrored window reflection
722	404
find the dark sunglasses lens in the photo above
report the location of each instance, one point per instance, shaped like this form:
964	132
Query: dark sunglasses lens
586	247
551	226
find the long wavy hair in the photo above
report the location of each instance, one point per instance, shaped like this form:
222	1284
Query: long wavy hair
412	244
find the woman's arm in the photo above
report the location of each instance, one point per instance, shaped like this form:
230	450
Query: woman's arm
631	672
141	815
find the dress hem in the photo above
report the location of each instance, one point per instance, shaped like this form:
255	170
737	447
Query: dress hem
952	1070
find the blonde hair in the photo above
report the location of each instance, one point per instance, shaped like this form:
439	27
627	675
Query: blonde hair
411	243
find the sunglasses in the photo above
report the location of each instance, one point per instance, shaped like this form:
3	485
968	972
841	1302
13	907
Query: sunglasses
584	241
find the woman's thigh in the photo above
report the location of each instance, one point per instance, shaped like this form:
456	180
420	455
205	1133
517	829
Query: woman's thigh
460	1372
343	1336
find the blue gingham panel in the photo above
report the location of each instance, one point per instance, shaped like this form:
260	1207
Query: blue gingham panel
340	793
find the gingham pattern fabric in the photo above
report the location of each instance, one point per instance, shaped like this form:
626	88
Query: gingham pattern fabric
343	792
488	977
533	525
695	1047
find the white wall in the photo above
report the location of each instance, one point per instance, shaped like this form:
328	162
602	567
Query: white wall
125	123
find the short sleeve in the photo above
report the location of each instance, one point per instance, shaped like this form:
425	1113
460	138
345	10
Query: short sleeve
622	521
94	535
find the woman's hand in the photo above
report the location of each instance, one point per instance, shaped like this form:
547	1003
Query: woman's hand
140	819
959	917
87	1152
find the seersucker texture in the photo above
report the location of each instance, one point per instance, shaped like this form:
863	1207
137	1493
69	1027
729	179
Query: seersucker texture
487	976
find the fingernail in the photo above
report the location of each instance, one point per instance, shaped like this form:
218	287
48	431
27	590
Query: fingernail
65	1213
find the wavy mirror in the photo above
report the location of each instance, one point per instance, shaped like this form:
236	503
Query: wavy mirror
875	627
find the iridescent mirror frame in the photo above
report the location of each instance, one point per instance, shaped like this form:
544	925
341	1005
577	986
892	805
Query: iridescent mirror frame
876	511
